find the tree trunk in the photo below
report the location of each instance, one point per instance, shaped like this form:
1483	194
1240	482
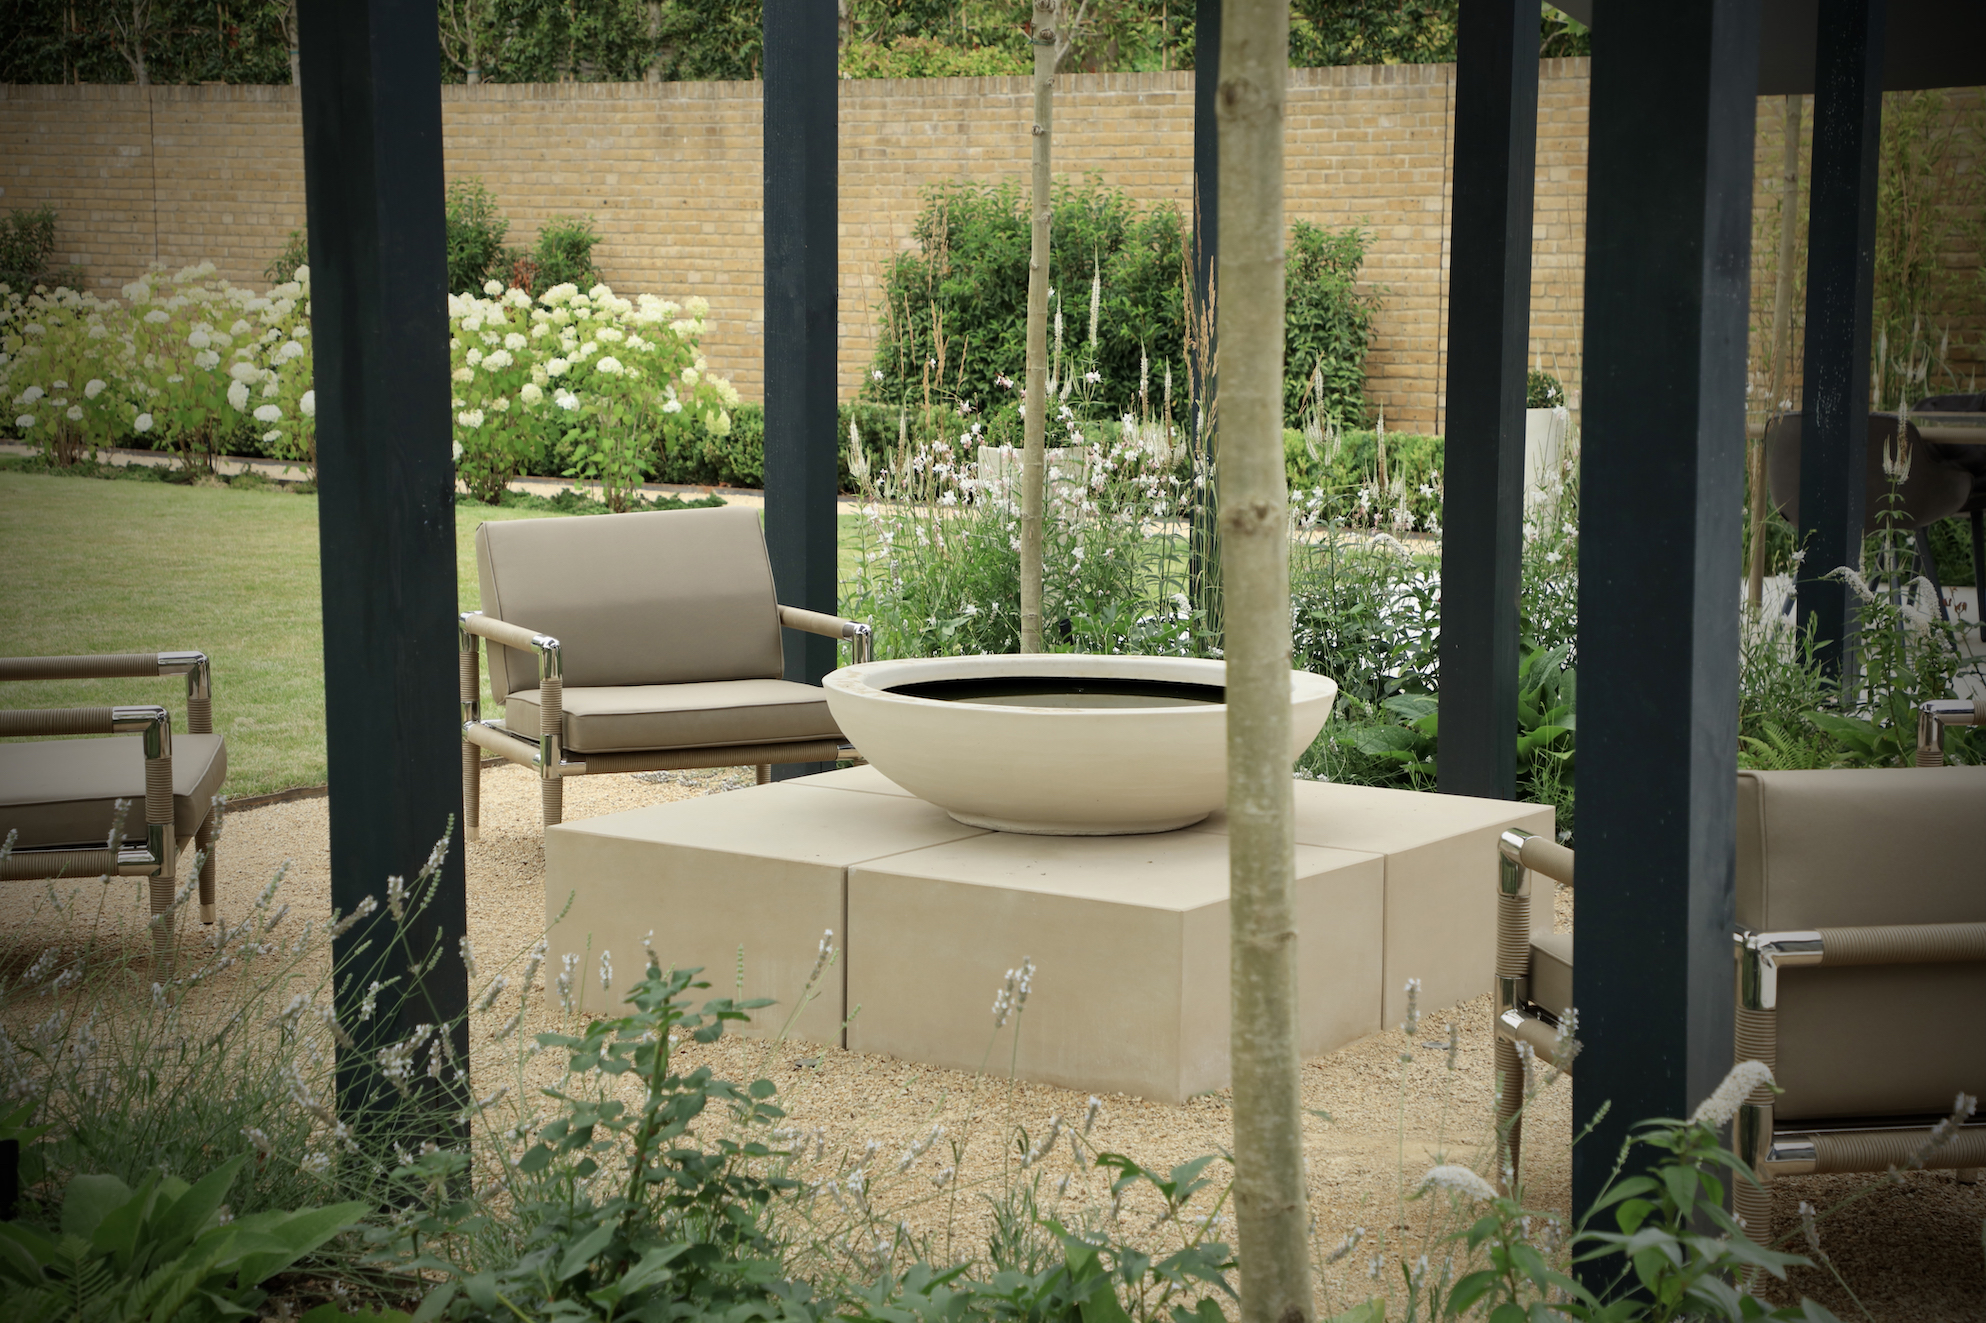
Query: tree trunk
289	24
1269	1191
1033	436
1782	339
653	73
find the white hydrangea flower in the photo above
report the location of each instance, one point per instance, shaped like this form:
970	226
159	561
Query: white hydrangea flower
689	376
291	349
514	341
30	395
530	393
93	388
244	372
672	406
610	365
75	414
307	404
497	360
25	421
470	418
142	423
238	396
474	356
565	399
268	413
492	287
206	360
158	316
463	374
199	339
557	367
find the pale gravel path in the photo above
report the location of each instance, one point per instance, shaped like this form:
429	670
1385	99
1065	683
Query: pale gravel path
1912	1252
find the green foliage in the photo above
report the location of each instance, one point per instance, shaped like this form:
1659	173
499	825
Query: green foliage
930	57
295	253
545	41
1929	193
27	247
705	40
1330	32
476	228
954	309
563	254
165	1251
674	1224
179	41
1542	391
1674	1251
1327	324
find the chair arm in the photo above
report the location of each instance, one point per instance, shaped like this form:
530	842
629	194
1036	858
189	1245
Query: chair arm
1904	944
151	721
1537	853
1934	716
123	665
861	639
511	636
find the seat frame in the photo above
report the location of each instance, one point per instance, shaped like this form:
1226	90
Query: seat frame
1867	1144
158	858
545	750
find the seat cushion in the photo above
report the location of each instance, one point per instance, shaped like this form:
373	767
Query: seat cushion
659	597
681	716
1551	971
63	792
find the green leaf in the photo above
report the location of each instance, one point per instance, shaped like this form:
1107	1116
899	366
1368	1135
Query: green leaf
178	1223
582	1251
90	1199
1464	1294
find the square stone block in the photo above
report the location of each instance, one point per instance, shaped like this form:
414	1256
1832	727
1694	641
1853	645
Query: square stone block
763	868
1129	938
1440	879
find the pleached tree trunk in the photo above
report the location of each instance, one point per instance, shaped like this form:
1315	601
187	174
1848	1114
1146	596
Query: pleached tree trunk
1047	38
1269	1196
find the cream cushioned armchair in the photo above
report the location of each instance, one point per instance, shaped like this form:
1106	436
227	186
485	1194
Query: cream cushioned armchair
1860	969
633	643
58	797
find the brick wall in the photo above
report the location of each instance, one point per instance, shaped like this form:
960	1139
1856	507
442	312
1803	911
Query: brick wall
671	173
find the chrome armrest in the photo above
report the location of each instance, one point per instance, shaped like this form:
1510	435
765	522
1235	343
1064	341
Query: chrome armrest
1934	716
551	680
861	639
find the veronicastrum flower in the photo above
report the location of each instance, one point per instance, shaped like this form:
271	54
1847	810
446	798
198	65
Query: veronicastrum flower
1459	1179
1724	1101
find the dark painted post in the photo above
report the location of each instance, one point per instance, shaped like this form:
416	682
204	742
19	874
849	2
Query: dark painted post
1489	325
801	444
386	516
1202	361
1841	273
1668	251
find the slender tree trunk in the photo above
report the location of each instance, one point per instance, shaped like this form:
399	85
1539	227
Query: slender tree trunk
653	72
289	23
1033	436
1270	1203
1782	339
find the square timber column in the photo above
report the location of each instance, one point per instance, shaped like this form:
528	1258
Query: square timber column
1489	326
801	441
1841	274
1668	255
386	510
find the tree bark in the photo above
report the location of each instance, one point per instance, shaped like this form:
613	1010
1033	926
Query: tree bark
1270	1201
1782	339
1034	431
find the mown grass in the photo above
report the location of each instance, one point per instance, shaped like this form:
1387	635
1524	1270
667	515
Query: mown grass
94	566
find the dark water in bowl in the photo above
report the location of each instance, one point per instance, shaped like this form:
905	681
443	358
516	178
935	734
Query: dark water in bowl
1065	691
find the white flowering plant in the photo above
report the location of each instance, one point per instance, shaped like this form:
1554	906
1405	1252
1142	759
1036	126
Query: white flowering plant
62	371
592	378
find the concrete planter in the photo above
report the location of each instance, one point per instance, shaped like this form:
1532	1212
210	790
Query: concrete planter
1067	764
1546	432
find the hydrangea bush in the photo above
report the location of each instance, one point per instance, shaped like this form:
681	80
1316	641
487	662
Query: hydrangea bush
187	360
593	377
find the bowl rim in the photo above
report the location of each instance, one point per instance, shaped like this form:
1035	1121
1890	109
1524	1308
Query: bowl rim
854	681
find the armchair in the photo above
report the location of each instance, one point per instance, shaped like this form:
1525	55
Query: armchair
58	795
1861	934
633	643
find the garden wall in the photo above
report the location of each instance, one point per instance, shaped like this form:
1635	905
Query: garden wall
671	172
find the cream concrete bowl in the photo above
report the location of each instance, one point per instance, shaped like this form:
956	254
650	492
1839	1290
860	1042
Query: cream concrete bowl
1057	744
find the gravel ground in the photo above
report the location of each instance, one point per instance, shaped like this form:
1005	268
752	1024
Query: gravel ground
1378	1108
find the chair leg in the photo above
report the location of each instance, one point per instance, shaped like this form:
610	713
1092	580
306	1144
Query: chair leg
472	792
554	796
205	844
1756	1039
764	773
163	886
1969	1175
1509	1109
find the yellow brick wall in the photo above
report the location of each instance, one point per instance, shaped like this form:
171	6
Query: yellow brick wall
671	173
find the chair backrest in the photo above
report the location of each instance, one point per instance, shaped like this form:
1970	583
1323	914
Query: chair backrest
1841	848
1837	849
661	597
1932	490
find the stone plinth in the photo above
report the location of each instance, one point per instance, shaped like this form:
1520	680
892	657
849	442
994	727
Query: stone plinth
1129	939
764	868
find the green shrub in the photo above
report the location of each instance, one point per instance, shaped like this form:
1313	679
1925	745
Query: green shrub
27	247
563	255
1327	325
283	266
476	229
1542	391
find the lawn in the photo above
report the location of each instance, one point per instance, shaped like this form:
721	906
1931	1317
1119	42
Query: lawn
148	567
